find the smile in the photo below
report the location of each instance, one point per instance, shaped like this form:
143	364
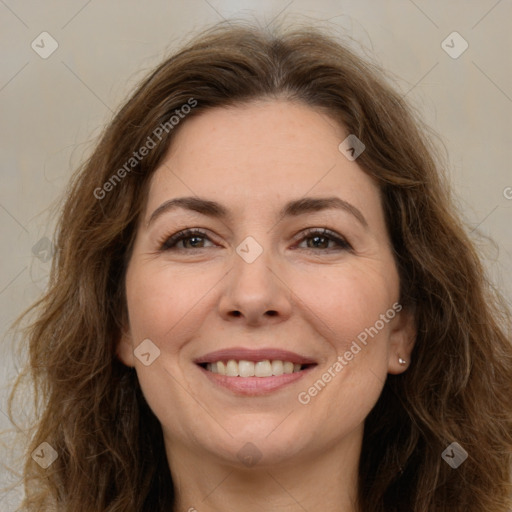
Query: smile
254	372
242	368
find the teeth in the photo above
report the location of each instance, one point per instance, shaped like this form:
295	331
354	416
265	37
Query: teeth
277	368
244	368
288	367
232	368
263	369
221	368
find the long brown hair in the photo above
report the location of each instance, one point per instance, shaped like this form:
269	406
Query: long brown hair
458	387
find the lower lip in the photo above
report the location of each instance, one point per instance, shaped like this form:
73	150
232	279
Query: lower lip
254	386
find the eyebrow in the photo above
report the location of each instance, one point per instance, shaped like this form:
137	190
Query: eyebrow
291	209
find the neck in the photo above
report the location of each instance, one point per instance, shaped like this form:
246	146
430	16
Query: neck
323	481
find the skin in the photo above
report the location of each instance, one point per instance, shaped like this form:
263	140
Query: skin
313	299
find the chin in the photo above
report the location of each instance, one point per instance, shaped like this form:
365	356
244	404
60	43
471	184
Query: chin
261	444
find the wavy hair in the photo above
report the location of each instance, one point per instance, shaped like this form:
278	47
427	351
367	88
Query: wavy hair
458	387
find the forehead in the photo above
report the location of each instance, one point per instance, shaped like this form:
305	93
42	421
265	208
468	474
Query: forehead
264	152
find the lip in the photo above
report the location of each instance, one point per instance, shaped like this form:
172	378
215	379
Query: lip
254	386
254	355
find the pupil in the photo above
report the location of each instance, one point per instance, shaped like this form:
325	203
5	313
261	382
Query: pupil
194	238
317	238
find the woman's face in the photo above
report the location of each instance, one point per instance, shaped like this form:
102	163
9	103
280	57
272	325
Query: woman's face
262	284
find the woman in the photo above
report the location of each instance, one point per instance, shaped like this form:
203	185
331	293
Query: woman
263	299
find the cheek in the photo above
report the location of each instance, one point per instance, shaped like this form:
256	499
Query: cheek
152	316
159	300
346	309
345	302
161	304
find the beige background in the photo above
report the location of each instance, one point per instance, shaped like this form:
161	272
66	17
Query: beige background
51	109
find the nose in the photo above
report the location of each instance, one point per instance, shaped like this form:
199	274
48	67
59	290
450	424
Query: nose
255	293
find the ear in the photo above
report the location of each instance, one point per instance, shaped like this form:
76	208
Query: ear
124	349
401	340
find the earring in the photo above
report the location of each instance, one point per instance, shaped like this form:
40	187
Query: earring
401	361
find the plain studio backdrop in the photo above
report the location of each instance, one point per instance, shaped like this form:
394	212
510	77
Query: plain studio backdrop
68	65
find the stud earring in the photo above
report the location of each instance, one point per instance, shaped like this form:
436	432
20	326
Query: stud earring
401	361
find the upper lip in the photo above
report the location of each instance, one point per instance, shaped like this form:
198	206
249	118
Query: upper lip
239	353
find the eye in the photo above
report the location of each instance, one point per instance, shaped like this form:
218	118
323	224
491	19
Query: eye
322	237
193	237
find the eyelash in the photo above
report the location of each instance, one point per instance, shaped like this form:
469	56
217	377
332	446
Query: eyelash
169	243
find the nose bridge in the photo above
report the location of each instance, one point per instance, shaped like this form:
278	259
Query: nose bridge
254	290
253	265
